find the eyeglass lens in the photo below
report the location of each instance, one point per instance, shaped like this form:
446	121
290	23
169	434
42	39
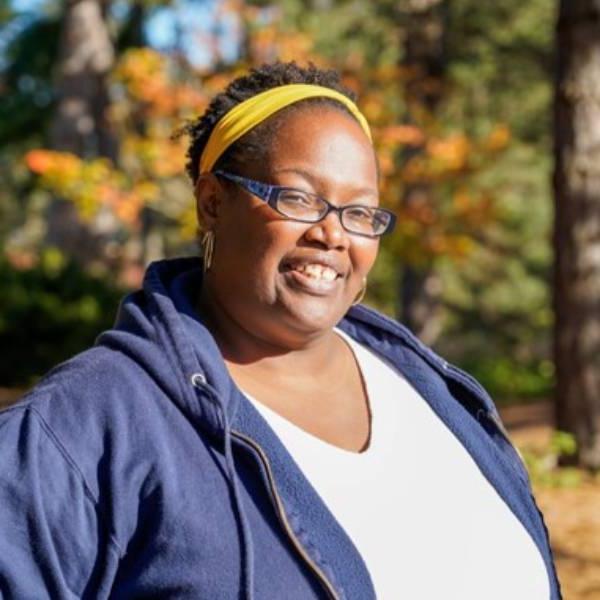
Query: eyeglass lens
308	207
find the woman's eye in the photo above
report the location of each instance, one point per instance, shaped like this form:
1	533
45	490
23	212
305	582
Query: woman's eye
358	214
293	197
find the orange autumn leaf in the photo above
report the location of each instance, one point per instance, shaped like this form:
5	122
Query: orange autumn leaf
462	201
498	138
128	206
295	46
38	161
402	134
49	163
452	151
372	107
386	162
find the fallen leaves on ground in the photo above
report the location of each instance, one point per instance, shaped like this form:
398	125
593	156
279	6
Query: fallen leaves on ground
572	514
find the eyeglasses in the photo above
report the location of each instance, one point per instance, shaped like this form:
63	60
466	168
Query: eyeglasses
299	205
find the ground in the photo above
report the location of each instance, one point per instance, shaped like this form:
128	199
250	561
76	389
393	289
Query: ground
572	513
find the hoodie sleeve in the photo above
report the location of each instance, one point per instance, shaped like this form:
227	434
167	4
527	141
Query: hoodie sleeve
52	540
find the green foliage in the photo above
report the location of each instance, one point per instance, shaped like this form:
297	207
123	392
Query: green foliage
500	62
49	313
508	379
25	105
543	464
353	29
499	317
26	62
498	305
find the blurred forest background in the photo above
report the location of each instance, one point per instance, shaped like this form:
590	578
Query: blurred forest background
460	96
486	119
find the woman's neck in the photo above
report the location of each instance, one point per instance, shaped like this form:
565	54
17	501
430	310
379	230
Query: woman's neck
284	351
313	382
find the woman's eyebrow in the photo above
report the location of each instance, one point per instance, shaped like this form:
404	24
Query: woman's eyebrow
314	181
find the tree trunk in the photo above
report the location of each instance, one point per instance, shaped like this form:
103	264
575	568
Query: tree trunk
577	226
420	301
80	124
424	64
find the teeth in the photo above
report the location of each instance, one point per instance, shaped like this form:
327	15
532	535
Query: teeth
318	271
328	274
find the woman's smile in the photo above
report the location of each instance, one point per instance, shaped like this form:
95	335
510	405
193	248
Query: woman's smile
318	274
314	279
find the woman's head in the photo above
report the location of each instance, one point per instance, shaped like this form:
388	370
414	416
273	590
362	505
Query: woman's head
285	281
251	148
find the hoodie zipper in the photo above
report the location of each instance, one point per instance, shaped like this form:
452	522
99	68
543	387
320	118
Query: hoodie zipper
278	505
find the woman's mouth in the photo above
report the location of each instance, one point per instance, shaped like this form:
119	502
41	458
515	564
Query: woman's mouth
313	278
316	271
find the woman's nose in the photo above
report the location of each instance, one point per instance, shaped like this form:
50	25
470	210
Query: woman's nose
329	232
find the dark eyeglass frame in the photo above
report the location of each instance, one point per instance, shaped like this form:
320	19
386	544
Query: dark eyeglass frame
269	194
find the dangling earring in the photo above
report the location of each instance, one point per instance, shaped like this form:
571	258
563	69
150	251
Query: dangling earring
208	248
362	293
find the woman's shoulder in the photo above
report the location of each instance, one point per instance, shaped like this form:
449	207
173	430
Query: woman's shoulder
79	455
97	382
381	332
97	405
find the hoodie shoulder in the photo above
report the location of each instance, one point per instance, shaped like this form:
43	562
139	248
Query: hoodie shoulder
96	381
54	539
97	405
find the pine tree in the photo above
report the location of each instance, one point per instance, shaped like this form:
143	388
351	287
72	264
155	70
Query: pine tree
577	225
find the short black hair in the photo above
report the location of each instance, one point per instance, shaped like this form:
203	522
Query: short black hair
253	144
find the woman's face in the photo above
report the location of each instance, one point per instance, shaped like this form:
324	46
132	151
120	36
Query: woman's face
284	281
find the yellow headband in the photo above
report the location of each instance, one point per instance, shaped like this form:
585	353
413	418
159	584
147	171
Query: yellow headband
249	113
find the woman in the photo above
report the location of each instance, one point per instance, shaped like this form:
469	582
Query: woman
247	429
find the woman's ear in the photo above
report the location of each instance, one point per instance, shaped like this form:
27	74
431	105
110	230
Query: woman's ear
207	192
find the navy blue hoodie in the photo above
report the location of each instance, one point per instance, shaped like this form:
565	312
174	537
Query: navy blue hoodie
138	469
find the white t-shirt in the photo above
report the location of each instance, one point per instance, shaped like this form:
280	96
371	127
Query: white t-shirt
426	521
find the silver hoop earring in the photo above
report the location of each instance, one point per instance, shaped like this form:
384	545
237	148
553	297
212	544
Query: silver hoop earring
361	294
208	248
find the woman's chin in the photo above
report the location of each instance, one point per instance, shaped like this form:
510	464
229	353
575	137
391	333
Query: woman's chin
312	312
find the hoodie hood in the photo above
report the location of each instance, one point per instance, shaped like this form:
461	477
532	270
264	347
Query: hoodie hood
160	329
